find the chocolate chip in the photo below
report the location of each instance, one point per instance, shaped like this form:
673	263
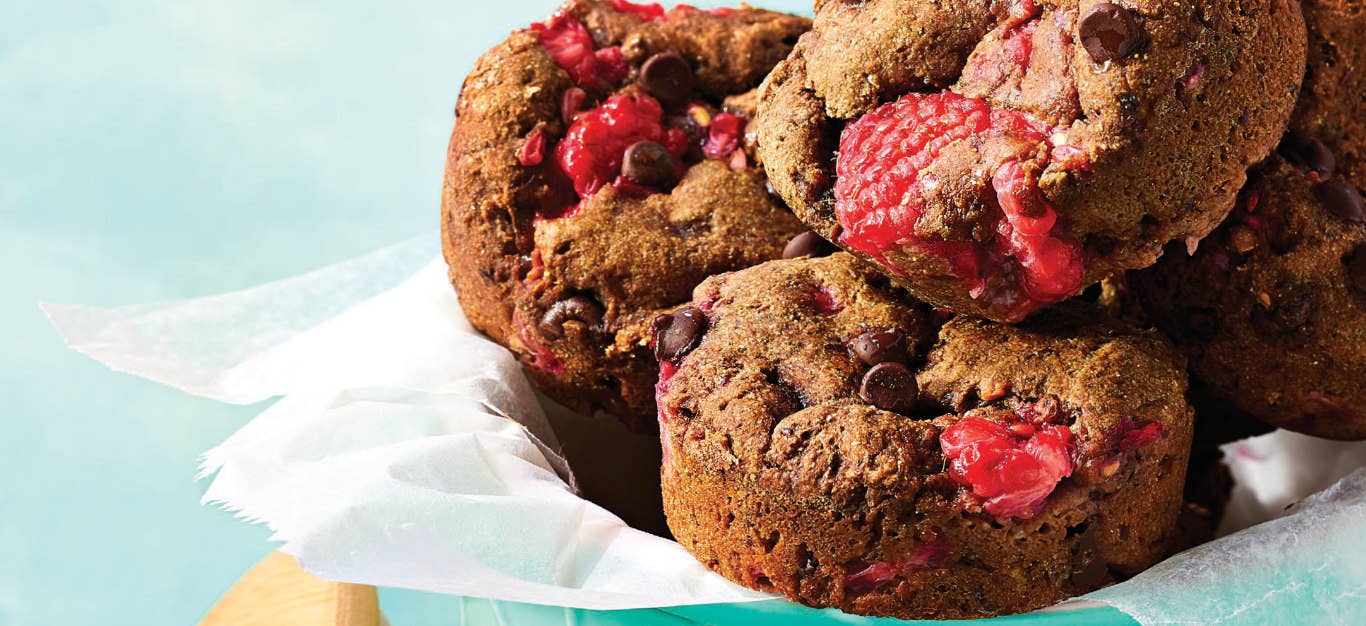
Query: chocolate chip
1283	310
650	164
889	386
667	76
1309	153
808	244
570	103
575	308
674	335
1356	268
875	347
1109	32
1340	198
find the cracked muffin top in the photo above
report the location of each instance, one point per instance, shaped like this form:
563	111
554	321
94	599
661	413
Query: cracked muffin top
996	157
598	170
872	456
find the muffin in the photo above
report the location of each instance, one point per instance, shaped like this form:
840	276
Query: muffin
997	157
828	438
598	170
1271	309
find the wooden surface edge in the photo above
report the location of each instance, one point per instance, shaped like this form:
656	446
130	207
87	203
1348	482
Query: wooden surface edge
277	591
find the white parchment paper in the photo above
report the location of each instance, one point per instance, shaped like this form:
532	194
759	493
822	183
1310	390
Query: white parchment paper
406	450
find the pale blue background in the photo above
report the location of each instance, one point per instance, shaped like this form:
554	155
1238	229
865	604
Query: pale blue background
160	149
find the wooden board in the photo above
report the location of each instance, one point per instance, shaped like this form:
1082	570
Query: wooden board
277	592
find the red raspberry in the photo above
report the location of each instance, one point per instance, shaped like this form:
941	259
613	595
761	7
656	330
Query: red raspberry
591	151
572	48
667	369
532	151
665	412
543	358
879	196
723	135
1051	261
646	12
880	574
1013	470
1134	434
825	302
653	11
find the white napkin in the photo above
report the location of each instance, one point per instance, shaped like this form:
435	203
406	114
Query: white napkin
408	451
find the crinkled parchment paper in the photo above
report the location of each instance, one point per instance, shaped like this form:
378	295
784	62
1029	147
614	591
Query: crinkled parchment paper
408	451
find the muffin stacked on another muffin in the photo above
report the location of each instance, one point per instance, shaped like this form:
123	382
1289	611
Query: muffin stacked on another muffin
825	439
843	428
597	172
1272	307
997	157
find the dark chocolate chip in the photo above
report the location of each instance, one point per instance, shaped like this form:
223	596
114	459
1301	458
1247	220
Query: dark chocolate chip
1340	198
1356	268
1309	153
875	347
1284	310
667	76
808	244
674	335
570	103
1109	32
574	308
650	164
889	386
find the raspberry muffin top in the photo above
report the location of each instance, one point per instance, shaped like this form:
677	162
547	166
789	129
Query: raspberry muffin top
829	438
996	157
598	170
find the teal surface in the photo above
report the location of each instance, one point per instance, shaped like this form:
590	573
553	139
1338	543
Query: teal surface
159	149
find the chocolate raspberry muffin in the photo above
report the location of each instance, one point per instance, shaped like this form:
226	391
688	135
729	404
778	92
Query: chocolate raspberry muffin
1271	309
597	172
996	157
825	439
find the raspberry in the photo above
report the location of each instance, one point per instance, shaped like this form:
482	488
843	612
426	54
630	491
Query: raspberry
591	151
653	11
723	135
1012	469
1133	434
570	103
993	65
543	358
1051	263
879	197
572	48
646	12
878	575
825	302
665	413
532	151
